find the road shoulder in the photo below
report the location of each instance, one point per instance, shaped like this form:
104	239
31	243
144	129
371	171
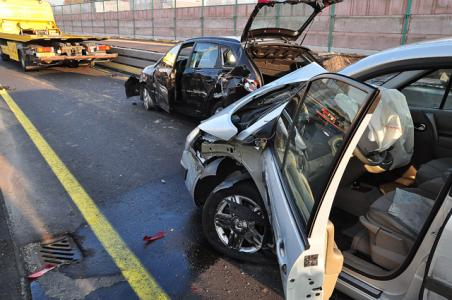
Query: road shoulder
12	286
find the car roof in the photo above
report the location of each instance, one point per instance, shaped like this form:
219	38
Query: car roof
424	55
215	39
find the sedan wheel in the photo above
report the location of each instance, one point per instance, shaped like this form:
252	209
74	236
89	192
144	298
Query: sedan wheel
235	222
148	101
236	231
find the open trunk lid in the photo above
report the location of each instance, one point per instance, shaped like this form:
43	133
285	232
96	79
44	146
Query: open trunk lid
282	19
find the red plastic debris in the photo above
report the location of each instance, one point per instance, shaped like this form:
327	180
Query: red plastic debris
150	238
44	270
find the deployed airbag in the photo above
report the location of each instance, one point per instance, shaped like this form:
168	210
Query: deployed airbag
391	128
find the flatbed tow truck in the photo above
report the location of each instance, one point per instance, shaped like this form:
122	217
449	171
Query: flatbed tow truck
30	35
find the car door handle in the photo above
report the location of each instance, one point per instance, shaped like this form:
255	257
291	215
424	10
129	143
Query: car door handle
281	255
420	127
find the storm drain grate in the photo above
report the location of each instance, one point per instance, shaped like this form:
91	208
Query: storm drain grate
59	251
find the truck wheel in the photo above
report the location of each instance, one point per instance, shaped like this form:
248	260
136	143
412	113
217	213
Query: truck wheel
73	63
23	61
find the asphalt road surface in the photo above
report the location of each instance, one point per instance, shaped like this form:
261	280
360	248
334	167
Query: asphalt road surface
127	160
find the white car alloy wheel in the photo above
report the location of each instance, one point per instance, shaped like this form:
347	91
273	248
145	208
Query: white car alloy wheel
237	224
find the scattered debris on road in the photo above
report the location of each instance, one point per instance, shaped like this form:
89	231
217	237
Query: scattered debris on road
38	274
150	238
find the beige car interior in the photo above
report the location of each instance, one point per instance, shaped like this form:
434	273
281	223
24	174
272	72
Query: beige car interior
276	60
333	263
377	223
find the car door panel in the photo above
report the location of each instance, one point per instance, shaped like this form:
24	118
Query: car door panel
199	80
199	86
433	134
437	282
333	263
309	261
164	79
425	135
288	242
444	131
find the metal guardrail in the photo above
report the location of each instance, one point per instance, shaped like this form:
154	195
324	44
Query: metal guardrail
133	61
130	60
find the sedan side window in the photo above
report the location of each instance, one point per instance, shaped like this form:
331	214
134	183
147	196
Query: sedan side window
429	91
322	122
205	56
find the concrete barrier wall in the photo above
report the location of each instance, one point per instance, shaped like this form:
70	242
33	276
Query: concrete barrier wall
359	26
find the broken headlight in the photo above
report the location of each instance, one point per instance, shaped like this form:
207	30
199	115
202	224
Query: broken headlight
143	77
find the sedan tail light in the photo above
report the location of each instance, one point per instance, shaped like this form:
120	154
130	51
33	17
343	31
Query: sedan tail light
103	48
250	85
45	49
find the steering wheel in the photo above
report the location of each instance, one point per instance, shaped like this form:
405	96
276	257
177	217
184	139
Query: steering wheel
335	144
382	159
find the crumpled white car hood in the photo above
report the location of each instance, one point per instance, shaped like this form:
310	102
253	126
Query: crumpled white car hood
221	126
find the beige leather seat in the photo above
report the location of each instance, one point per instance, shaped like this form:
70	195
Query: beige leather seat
395	220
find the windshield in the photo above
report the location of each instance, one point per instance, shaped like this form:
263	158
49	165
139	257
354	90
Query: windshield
283	15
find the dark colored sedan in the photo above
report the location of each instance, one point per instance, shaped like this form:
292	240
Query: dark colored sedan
201	76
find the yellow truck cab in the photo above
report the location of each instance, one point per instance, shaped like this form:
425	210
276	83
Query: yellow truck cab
30	35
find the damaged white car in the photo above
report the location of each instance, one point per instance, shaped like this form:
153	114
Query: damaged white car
345	177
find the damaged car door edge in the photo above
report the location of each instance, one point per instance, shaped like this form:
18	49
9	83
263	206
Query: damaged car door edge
306	276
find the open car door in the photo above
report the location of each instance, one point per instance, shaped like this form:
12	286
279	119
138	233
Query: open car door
314	140
164	78
438	273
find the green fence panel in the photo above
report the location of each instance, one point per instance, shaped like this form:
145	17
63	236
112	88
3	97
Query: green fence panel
406	22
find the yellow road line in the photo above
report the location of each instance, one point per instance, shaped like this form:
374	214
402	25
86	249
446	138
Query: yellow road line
131	268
